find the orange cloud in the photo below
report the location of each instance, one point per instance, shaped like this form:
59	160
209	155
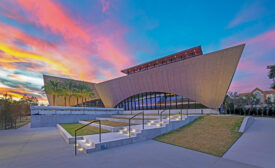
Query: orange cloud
84	52
54	17
24	54
18	93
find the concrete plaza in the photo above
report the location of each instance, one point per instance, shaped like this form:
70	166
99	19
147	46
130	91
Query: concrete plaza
257	145
44	147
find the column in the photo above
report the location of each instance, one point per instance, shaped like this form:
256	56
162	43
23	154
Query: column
151	105
182	102
135	102
138	102
170	101
164	100
146	99
155	100
176	101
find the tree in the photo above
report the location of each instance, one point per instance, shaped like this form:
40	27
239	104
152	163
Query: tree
85	92
11	110
5	111
271	74
64	91
52	87
227	103
81	91
88	93
251	100
234	98
70	89
76	93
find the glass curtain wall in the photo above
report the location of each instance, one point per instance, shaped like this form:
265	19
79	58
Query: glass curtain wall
158	100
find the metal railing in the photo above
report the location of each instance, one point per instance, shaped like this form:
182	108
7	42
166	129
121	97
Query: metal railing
75	133
134	117
161	116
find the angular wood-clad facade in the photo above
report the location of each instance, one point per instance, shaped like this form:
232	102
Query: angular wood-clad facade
204	78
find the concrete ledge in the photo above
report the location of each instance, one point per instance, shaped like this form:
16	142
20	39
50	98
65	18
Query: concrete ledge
52	120
61	110
247	121
66	136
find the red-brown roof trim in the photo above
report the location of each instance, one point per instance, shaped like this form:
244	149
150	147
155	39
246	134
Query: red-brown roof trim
195	51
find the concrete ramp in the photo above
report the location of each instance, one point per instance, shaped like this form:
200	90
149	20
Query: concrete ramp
257	145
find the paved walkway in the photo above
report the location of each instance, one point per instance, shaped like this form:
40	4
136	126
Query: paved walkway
45	148
257	145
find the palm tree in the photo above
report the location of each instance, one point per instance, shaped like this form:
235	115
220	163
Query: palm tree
52	87
75	93
84	91
81	91
88	93
64	92
70	89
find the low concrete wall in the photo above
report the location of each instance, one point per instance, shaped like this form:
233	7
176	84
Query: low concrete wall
247	122
52	120
106	127
48	116
66	136
175	111
61	110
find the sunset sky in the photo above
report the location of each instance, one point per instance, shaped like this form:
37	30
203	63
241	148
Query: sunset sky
92	40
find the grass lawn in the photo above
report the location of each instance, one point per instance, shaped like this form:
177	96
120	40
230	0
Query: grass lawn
112	123
89	130
209	134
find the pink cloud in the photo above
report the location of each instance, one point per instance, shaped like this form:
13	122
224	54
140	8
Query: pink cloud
83	44
105	5
83	40
53	16
11	13
266	40
251	71
255	76
249	13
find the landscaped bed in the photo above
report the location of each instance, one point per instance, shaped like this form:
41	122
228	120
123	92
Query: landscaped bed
208	134
112	123
89	130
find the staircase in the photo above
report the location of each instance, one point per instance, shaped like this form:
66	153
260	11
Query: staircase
123	136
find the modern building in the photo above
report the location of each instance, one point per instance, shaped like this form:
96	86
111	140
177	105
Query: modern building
262	95
187	78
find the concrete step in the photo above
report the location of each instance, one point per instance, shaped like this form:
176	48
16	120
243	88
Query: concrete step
90	143
112	139
123	120
139	116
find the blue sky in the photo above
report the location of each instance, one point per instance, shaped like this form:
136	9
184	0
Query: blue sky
94	40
